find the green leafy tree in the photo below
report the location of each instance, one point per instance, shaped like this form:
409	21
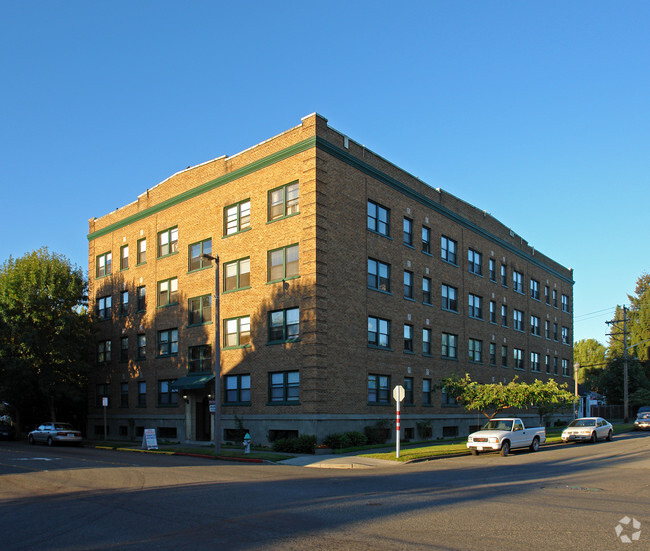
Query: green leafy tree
590	354
493	398
639	315
609	381
45	332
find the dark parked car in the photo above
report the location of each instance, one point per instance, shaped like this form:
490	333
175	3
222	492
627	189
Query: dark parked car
7	432
55	433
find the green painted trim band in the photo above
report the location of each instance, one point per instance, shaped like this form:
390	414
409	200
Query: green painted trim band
208	186
327	147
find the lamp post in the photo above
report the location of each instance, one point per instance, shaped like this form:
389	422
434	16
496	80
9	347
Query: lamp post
217	356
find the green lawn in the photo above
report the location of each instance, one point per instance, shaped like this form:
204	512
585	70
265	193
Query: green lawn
457	446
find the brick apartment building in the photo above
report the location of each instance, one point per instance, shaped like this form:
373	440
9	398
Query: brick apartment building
341	276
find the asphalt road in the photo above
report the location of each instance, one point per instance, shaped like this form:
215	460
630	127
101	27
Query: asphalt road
563	497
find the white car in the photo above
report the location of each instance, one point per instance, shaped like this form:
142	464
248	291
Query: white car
55	433
588	429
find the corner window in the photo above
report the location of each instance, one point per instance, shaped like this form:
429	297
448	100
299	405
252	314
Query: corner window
518	320
518	357
167	242
283	263
237	217
534	289
124	303
284	325
142	394
142	347
283	201
534	362
426	290
426	392
284	386
104	264
565	303
378	218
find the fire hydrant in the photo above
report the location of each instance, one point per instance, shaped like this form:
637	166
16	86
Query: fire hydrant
247	443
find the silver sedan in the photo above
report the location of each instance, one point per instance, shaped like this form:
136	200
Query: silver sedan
55	433
588	429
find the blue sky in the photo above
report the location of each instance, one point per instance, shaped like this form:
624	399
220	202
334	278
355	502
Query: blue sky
536	112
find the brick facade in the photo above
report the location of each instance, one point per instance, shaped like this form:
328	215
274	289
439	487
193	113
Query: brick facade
317	383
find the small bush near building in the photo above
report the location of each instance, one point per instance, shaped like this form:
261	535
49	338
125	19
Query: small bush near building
302	444
424	429
340	440
378	433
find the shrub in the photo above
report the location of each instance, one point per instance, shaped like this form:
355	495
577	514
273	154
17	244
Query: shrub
302	444
351	439
424	429
378	433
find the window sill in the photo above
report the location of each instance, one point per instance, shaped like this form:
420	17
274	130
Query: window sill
199	324
199	269
386	235
375	347
237	347
380	291
278	403
248	404
282	280
290	341
235	290
237	232
284	217
160	257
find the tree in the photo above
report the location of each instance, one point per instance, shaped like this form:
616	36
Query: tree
45	332
609	381
639	314
589	353
492	398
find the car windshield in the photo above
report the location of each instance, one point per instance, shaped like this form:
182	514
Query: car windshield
498	424
583	423
644	415
63	426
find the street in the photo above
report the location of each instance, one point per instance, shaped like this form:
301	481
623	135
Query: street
563	497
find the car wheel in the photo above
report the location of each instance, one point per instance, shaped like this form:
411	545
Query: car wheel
534	446
31	440
49	441
473	452
505	448
610	436
594	438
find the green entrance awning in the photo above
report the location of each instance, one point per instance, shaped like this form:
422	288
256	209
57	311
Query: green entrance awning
192	382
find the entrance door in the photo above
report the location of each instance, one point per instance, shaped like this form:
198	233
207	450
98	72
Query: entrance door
202	417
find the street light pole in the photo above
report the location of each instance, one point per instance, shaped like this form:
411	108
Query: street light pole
217	356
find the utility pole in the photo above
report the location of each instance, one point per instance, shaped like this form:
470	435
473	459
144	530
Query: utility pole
625	361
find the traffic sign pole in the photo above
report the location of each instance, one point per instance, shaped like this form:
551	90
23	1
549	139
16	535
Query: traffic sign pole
398	394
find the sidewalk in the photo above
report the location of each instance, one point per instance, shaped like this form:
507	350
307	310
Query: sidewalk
338	462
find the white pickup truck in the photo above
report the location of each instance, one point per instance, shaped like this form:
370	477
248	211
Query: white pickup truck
504	435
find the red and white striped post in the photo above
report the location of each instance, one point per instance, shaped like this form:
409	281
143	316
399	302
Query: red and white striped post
398	394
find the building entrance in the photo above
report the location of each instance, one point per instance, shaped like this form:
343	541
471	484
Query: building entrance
202	416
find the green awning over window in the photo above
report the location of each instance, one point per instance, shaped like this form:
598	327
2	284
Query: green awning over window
192	382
